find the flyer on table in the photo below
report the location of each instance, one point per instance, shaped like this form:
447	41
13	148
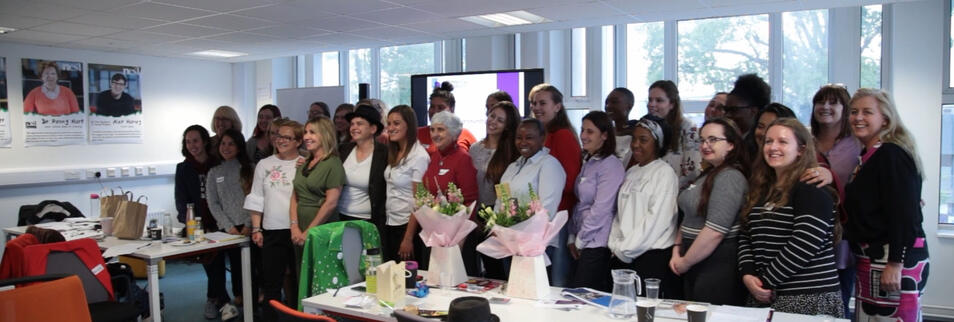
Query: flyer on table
115	104
53	103
5	137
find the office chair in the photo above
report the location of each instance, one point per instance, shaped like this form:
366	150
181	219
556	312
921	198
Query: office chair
287	314
51	297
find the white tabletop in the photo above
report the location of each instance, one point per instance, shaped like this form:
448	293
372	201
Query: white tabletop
516	310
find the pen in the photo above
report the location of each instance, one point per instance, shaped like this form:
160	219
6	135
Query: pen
336	292
771	311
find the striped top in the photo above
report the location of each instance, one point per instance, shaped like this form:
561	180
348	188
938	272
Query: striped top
790	248
725	202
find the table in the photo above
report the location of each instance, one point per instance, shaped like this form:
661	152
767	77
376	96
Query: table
159	251
516	310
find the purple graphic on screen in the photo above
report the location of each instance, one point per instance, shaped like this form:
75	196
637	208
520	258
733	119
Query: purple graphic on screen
510	83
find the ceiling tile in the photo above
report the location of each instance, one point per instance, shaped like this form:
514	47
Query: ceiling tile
389	32
283	13
245	37
39	10
76	29
219	5
161	11
397	16
292	31
576	11
444	26
40	37
146	36
341	23
21	22
106	43
186	30
116	21
95	5
232	22
644	7
343	7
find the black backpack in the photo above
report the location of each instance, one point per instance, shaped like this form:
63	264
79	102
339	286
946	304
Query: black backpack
127	291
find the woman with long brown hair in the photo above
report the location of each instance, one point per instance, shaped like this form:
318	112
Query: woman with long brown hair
407	161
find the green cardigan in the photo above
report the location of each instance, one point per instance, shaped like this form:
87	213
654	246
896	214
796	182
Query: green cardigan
322	264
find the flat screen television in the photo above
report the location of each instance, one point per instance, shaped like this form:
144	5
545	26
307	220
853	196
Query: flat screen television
470	93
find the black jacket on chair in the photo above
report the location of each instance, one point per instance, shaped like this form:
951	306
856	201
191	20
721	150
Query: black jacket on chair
377	187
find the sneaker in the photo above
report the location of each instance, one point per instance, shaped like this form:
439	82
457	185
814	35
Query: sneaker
211	309
229	311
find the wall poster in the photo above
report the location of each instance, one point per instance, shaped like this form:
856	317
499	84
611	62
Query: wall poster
53	104
5	136
115	104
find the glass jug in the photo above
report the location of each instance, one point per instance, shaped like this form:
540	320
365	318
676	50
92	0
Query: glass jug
623	302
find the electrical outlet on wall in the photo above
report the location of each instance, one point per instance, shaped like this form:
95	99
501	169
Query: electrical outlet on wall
111	172
124	171
139	171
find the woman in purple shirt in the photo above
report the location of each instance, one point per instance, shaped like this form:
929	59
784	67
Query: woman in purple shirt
596	189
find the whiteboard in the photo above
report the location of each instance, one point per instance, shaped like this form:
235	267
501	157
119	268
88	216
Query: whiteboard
294	102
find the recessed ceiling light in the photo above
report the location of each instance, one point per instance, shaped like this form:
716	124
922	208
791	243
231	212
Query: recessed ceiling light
219	53
6	30
511	18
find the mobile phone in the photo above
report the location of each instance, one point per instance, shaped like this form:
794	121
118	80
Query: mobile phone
499	300
359	288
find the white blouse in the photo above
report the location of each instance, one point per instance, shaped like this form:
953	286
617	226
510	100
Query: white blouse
400	180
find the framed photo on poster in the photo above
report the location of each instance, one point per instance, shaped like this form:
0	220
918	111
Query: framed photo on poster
115	104
5	136
53	104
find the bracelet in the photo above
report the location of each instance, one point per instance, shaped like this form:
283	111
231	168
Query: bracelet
294	222
256	230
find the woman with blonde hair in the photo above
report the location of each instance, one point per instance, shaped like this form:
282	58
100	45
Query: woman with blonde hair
223	119
883	203
317	183
786	252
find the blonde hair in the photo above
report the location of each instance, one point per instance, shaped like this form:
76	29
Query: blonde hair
894	131
326	133
229	113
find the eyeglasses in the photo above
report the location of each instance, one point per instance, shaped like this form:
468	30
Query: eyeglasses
734	108
118	83
709	140
280	138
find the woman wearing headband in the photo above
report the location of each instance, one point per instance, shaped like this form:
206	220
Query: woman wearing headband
644	231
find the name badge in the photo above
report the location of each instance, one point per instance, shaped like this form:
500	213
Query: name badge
442	172
220	180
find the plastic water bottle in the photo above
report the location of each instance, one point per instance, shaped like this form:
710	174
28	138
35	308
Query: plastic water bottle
190	222
94	210
373	258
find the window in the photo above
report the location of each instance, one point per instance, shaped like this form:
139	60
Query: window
804	59
578	62
359	70
398	63
329	69
714	52
946	202
871	46
644	61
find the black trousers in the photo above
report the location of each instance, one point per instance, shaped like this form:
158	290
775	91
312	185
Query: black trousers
593	269
716	278
215	272
277	258
654	263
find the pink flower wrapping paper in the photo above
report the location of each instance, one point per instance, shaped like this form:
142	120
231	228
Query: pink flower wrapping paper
440	230
528	238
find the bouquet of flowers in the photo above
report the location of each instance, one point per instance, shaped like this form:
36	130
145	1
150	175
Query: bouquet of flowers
445	222
512	212
449	204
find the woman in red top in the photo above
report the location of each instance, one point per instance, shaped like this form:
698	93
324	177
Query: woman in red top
546	103
441	100
451	163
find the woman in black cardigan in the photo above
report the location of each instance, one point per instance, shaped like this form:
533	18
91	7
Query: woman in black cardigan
364	160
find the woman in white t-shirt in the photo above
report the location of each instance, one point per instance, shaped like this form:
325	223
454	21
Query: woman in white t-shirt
268	201
407	161
364	160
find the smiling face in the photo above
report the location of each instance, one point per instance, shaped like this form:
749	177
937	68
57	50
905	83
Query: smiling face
221	124
361	129
227	148
312	139
543	107
195	145
828	112
116	87
591	137
643	146
490	102
659	104
867	120
714	108
397	127
617	108
529	140
49	76
438	105
496	121
441	136
265	117
740	112
781	147
284	140
764	121
716	151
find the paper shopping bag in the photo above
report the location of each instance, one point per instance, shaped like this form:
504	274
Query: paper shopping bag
108	205
446	267
130	219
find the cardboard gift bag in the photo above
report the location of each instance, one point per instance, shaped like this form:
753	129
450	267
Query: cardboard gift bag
390	281
109	205
130	219
446	267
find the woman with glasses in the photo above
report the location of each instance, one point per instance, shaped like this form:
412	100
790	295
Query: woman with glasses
223	119
259	146
683	152
407	161
883	202
706	248
268	202
786	256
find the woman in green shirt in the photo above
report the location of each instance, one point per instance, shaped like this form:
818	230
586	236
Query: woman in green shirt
317	182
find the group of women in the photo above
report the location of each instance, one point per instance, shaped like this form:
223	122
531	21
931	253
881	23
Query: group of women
749	209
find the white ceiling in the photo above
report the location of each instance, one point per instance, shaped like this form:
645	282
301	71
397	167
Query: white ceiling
274	28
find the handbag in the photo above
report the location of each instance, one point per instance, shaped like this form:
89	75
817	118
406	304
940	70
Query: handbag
130	218
108	205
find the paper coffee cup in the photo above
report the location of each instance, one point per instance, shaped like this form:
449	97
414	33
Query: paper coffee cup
645	311
697	313
107	224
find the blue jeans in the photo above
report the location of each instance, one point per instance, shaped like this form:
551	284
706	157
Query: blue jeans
560	261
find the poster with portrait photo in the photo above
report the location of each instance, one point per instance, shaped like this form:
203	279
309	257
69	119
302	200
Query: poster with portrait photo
5	136
53	102
115	104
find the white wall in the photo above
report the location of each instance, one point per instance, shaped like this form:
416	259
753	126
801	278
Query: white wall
916	56
175	94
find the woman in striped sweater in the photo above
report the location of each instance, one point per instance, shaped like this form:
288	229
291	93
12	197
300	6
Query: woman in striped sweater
786	257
